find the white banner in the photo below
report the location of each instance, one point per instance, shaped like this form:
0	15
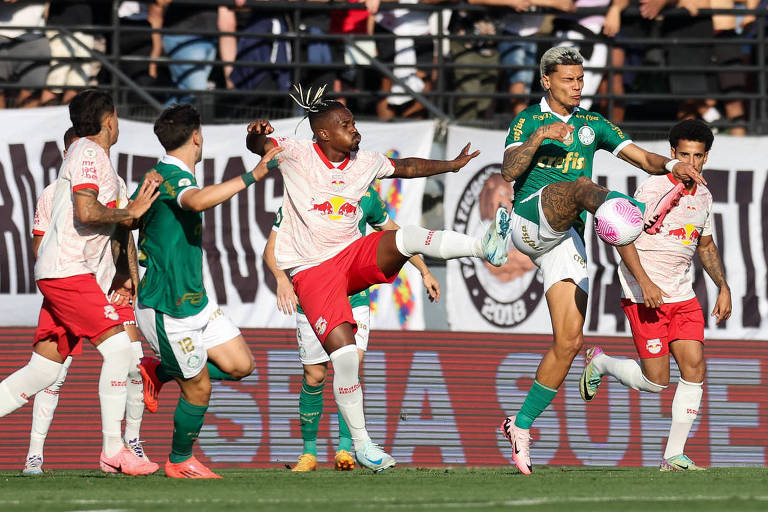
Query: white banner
511	298
235	232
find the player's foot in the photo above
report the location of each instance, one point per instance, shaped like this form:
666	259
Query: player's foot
136	446
152	385
495	239
662	208
520	439
125	461
679	463
307	462
344	461
590	379
374	458
33	466
190	468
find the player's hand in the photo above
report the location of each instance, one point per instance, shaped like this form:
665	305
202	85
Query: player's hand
154	176
464	157
649	9
653	296
287	301
612	23
558	131
260	127
121	292
722	310
685	172
565	5
432	285
263	167
146	196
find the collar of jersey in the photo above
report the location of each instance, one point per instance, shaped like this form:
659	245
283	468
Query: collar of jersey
544	106
327	162
172	160
685	192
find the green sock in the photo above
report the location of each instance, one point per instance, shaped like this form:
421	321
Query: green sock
187	422
345	438
162	375
539	397
216	373
310	411
614	195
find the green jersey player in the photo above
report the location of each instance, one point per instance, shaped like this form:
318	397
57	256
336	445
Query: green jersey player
311	352
549	155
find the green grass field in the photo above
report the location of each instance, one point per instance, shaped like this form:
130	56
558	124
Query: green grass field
563	489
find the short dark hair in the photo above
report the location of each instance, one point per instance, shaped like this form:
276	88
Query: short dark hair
323	109
691	129
175	125
69	137
87	109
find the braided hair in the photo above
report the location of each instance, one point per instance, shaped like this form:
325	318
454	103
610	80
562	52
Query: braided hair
313	104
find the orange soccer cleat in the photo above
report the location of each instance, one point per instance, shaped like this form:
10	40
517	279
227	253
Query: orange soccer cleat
190	468
152	385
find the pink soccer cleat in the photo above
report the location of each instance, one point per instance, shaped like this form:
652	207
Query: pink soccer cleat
520	438
665	204
125	461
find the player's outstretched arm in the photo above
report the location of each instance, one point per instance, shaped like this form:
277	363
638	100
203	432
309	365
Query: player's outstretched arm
517	159
287	301
201	199
653	163
420	167
89	210
710	260
653	296
256	141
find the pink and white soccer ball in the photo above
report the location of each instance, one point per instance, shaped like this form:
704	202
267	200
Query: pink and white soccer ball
618	221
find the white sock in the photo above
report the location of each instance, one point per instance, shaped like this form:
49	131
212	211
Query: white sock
15	390
626	371
43	409
441	245
685	408
349	393
118	354
134	402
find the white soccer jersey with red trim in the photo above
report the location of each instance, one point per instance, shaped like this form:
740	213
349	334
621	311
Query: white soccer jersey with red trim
43	210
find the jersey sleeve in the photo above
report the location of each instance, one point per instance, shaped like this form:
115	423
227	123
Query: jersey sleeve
385	166
88	169
43	211
609	136
374	208
707	229
520	129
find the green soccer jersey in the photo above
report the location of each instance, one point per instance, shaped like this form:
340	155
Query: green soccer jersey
555	161
171	249
374	215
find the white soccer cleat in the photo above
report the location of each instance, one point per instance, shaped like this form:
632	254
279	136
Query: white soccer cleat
374	458
590	379
33	466
495	238
520	439
679	463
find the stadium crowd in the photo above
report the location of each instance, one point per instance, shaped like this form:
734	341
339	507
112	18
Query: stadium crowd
206	43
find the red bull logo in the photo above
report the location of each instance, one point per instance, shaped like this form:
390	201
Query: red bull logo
688	234
335	208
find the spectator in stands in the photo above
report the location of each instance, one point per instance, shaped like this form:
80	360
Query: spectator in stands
227	22
614	82
520	50
29	74
354	21
196	44
65	77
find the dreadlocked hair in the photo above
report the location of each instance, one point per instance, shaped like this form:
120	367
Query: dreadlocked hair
313	103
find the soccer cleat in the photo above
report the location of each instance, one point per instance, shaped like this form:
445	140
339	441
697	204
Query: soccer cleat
307	462
662	208
125	461
344	461
495	238
136	446
520	439
152	385
374	458
590	379
679	463
190	468
33	466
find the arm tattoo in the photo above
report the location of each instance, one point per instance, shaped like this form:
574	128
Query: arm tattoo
133	262
710	260
420	167
89	210
120	250
517	160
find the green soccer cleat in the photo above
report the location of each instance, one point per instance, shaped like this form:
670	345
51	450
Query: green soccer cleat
590	379
679	463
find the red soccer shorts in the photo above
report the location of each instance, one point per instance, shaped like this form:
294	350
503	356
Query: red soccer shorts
74	307
654	328
323	290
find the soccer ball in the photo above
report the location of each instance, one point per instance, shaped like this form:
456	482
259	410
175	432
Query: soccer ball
618	221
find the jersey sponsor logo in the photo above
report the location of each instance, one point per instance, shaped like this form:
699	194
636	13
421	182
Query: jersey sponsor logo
192	298
89	153
185	182
688	234
586	135
692	411
517	130
320	326
616	129
111	313
541	117
337	182
588	117
345	390
169	189
653	346
88	170
334	208
488	288
571	161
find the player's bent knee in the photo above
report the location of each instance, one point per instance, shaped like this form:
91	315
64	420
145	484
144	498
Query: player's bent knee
314	375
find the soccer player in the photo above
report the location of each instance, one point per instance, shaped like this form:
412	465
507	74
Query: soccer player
313	356
196	342
320	244
663	311
549	153
46	401
83	218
